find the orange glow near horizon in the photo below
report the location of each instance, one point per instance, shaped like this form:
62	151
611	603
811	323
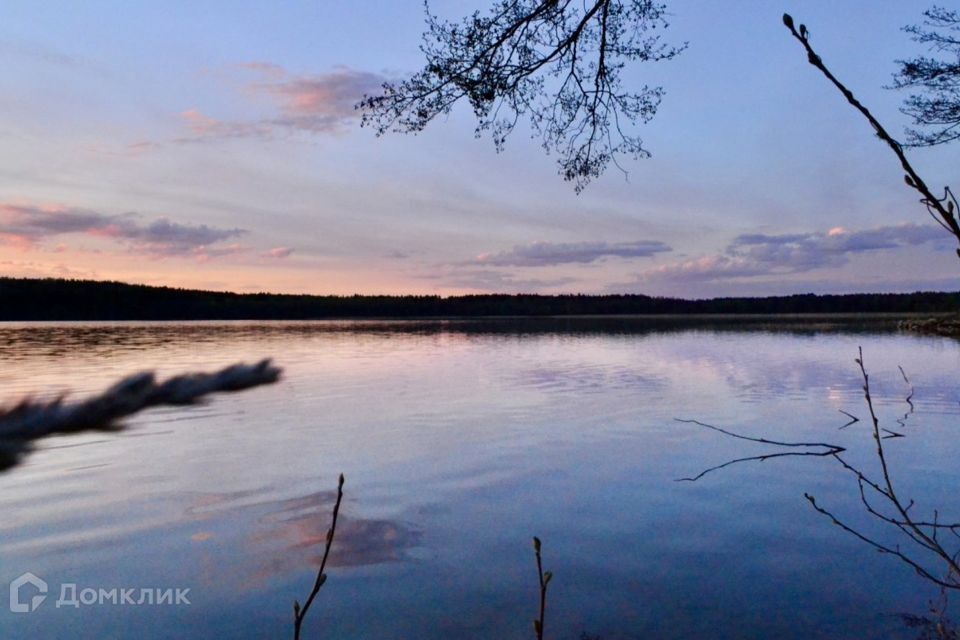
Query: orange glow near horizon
293	276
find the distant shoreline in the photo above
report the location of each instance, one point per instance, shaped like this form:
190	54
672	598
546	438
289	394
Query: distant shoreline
38	300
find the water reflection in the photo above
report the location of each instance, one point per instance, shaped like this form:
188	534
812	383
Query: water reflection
289	534
51	339
924	544
463	439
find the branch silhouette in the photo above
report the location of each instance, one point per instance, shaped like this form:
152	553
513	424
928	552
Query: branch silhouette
545	577
828	449
880	498
299	613
942	210
935	101
557	63
22	424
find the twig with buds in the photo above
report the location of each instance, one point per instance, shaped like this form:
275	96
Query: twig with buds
299	613
545	578
942	210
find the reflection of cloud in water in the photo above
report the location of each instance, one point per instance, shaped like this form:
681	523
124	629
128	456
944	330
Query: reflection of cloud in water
764	367
585	378
303	523
289	534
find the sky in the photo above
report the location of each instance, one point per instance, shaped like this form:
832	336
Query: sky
215	145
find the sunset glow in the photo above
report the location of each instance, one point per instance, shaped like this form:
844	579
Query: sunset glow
220	148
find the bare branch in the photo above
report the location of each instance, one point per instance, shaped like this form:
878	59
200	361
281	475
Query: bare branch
941	208
879	497
828	449
895	551
30	420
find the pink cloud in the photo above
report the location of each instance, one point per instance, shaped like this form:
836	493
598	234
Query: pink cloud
705	268
199	123
25	226
278	253
142	145
268	68
764	255
322	103
316	103
204	127
15	240
44	270
205	254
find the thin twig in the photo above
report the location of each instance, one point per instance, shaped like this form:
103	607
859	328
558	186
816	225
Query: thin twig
853	419
909	398
300	613
828	449
545	578
879	547
902	421
826	445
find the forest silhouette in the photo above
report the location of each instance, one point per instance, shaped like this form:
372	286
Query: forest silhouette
58	299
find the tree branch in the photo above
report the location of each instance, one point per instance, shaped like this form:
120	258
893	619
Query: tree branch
943	207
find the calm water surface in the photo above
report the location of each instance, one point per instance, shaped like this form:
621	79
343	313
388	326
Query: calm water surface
459	442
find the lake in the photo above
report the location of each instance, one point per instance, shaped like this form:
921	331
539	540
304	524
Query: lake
460	440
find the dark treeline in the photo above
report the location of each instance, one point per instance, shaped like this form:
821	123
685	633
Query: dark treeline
54	299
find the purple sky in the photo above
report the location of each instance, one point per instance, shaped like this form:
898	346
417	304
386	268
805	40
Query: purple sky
215	145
